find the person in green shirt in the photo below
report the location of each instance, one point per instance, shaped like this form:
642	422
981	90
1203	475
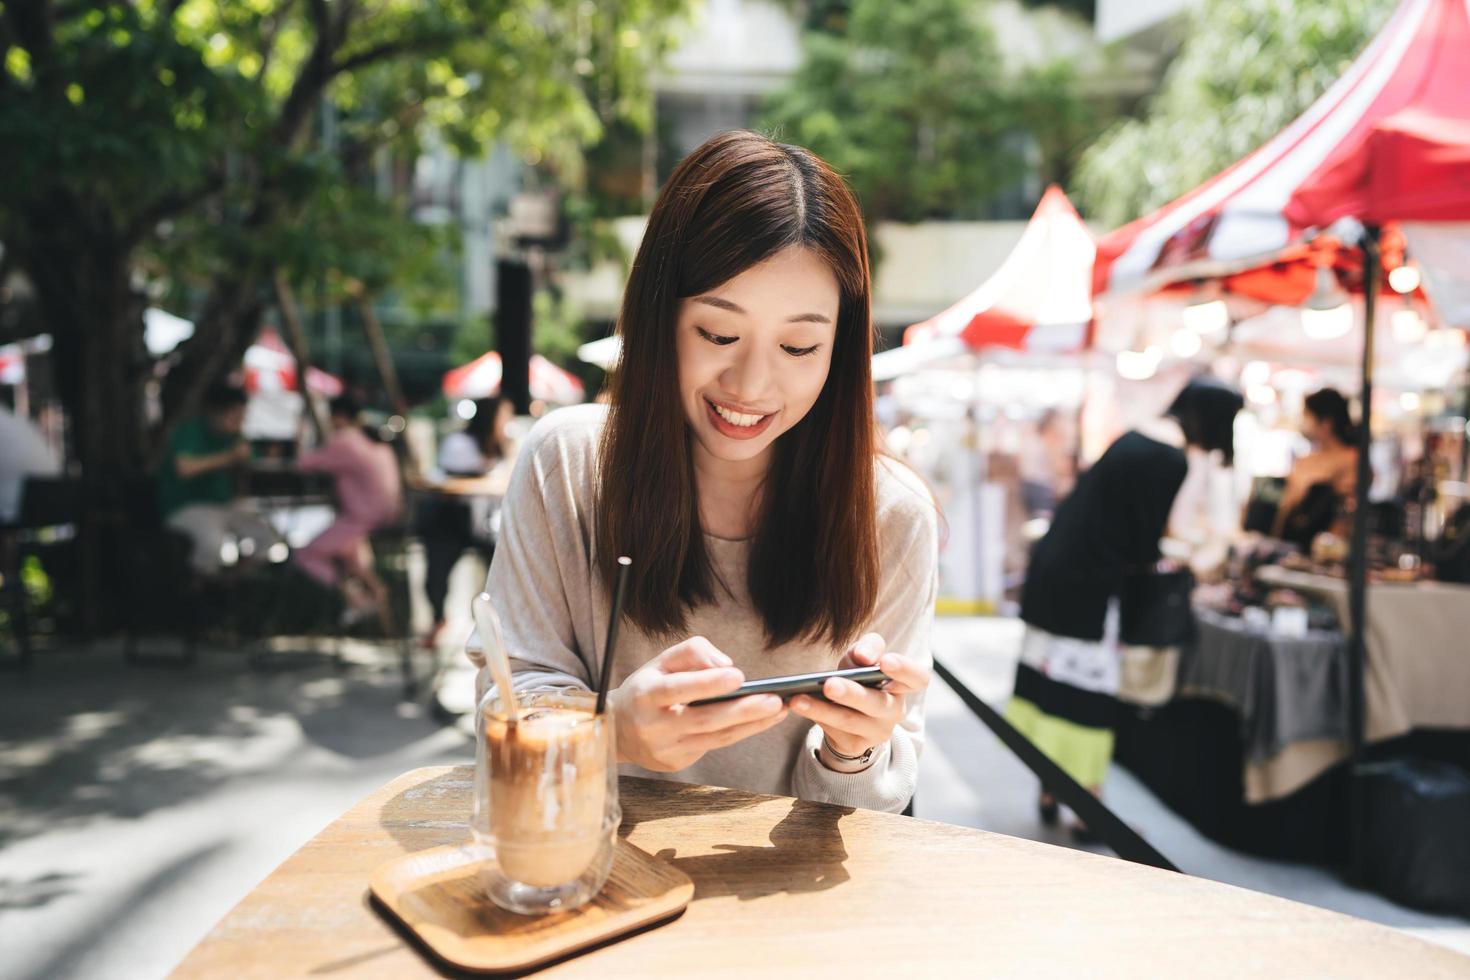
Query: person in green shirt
196	484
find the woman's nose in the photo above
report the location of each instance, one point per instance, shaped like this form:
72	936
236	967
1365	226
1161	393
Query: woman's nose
748	376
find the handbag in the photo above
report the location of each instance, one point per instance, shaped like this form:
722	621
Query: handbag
1154	608
1451	553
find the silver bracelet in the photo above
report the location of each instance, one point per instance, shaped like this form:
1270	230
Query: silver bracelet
866	757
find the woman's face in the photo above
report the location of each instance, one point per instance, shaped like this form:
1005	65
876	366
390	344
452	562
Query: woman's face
754	353
1313	427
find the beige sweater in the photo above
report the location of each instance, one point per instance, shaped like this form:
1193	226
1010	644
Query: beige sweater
554	610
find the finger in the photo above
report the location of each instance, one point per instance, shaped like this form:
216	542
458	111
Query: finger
695	653
906	675
865	652
871	702
729	714
729	736
692	685
837	718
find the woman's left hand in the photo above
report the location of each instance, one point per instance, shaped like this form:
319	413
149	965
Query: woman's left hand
856	718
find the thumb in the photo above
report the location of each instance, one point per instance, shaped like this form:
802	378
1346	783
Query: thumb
695	653
866	651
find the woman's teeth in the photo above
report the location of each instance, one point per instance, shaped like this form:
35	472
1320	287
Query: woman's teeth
736	418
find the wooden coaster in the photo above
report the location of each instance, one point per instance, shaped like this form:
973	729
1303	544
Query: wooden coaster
437	895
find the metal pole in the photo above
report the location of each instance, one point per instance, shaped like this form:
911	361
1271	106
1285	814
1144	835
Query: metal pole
331	310
1358	557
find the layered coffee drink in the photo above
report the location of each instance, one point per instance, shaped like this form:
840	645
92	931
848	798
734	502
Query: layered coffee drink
546	803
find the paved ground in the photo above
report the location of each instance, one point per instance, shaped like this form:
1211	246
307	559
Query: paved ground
970	778
138	804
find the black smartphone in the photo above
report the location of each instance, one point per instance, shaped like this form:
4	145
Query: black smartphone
799	684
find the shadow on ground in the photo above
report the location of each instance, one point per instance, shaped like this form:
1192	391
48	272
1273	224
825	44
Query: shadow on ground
86	735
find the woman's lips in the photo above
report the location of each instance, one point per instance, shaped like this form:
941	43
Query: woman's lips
730	429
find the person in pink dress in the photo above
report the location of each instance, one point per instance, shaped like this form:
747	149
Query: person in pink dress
369	496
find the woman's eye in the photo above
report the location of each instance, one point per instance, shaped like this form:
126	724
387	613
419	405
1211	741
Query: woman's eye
800	351
715	338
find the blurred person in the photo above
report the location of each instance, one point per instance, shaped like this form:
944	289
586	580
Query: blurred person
1108	529
1047	466
369	495
1319	489
197	484
739	466
453	524
23	453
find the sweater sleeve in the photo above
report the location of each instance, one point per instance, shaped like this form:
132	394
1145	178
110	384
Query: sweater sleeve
538	573
904	617
326	458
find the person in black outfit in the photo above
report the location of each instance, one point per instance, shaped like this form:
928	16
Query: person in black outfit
1067	682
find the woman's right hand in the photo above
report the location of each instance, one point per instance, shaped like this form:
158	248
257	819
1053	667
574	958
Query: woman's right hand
656	727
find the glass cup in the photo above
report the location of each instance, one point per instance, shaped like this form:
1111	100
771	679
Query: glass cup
546	800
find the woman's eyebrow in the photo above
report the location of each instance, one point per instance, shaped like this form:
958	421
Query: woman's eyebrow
725	304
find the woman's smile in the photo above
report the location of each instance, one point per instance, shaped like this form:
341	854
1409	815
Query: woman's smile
736	424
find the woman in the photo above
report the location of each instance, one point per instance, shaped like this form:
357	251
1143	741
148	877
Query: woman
1108	529
447	526
369	496
738	465
476	448
1321	483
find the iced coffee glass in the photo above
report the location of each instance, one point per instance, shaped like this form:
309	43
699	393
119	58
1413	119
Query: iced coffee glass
546	800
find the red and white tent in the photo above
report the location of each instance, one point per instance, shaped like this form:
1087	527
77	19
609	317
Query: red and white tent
1039	301
269	366
481	378
1390	141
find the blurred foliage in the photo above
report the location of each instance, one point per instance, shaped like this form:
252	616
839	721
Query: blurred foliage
922	112
1246	70
558	321
1051	102
909	103
1086	9
831	15
183	142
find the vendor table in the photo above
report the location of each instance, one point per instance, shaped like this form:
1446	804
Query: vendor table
790	888
1290	693
1251	750
1418	642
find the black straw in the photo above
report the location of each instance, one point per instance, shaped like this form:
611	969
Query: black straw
612	631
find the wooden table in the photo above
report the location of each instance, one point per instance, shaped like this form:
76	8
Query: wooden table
784	887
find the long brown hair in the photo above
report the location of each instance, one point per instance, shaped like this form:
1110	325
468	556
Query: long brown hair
734	202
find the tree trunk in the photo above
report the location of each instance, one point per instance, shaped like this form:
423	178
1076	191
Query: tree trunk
225	328
81	272
96	323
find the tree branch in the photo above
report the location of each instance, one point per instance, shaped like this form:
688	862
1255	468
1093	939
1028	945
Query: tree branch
72	10
172	204
346	10
316	72
30	23
357	153
269	34
392	49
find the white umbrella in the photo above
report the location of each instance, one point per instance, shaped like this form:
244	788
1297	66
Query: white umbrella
162	331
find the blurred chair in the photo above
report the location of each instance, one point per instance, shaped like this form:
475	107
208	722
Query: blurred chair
159	588
48	514
391	558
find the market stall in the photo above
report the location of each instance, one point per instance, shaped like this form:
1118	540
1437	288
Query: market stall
1314	221
481	379
272	381
983	397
